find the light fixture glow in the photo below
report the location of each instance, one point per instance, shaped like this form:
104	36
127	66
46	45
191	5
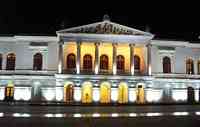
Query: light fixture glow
77	115
180	113
59	115
1	114
48	115
96	115
16	115
132	114
114	115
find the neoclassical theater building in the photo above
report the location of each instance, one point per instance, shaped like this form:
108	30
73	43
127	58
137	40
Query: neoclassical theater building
99	63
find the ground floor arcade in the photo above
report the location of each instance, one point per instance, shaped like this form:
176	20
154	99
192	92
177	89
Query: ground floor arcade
100	91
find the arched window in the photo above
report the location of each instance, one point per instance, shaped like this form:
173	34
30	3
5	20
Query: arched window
120	62
189	66
1	60
198	66
104	62
71	61
87	62
10	63
166	65
37	61
136	62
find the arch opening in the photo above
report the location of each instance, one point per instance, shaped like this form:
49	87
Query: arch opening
136	63
104	62
68	92
105	92
123	93
87	92
71	61
37	61
87	63
166	65
189	66
9	92
10	63
1	60
120	63
140	95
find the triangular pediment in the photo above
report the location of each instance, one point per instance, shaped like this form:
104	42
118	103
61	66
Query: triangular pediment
105	27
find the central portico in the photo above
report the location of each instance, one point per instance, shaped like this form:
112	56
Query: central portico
104	48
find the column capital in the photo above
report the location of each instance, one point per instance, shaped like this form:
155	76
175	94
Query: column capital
79	42
131	45
114	44
97	43
61	42
149	45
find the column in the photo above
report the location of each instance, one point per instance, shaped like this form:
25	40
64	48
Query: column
195	67
114	58
60	56
96	94
148	59
96	58
132	58
78	52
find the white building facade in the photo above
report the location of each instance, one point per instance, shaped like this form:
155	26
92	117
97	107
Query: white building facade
99	63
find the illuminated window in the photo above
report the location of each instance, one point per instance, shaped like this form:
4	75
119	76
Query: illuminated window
166	65
198	66
189	66
104	62
10	63
71	61
37	61
1	59
87	62
120	62
136	62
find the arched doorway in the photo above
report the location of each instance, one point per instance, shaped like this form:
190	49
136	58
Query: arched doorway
136	63
1	60
120	63
104	62
166	65
189	66
9	92
123	93
87	62
87	92
68	92
190	94
198	66
105	95
37	61
140	98
10	63
71	61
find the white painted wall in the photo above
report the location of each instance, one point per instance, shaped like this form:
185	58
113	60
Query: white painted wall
156	64
24	55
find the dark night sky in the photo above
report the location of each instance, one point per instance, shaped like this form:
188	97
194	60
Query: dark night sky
166	20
